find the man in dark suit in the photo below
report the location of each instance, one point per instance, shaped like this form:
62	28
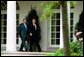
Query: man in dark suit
34	40
79	33
23	35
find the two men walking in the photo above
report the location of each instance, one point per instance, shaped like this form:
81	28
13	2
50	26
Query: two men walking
29	36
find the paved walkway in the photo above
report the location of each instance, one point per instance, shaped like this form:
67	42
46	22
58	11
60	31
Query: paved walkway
4	53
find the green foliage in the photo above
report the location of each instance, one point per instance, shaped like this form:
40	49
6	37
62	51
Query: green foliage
51	54
72	3
59	52
47	8
76	50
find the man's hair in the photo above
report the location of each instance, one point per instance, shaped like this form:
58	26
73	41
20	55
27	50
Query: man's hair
24	19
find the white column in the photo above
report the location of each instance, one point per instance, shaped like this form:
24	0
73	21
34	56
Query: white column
11	26
61	29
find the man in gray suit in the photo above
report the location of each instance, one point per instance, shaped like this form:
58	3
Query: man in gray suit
23	35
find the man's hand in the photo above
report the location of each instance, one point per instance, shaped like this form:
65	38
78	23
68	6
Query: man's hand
78	34
30	34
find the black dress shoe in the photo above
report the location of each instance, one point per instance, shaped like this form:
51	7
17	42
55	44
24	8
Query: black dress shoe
21	50
26	50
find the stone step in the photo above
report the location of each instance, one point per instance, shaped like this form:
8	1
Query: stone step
23	53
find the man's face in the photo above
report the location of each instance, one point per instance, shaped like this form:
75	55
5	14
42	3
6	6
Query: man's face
25	21
34	21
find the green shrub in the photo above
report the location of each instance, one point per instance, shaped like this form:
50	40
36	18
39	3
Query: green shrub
76	50
59	52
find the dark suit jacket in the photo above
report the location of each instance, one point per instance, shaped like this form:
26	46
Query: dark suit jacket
81	22
34	33
22	31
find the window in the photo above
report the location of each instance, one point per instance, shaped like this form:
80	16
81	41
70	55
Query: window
71	26
55	29
4	5
4	21
3	28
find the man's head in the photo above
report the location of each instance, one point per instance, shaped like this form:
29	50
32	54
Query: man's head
33	20
24	20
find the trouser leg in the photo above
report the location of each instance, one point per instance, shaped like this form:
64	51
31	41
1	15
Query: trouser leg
24	43
38	46
21	47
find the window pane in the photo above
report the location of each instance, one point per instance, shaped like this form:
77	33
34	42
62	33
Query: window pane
71	22
71	15
57	41
52	35
2	23
52	41
57	28
57	22
4	35
4	41
71	35
5	16
53	28
57	35
17	22
71	40
1	41
53	22
2	16
17	16
71	28
5	23
57	15
53	16
4	29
